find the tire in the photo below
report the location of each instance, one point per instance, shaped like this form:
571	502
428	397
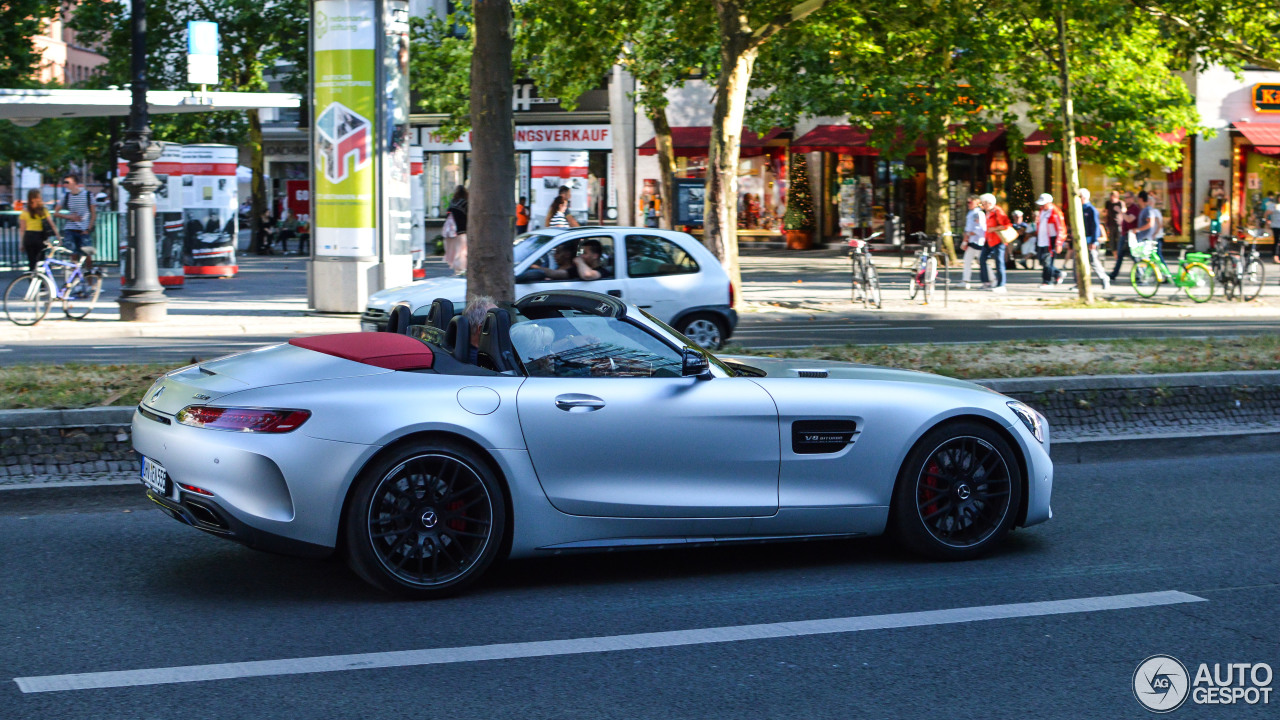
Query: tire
28	298
1145	278
957	494
1199	282
81	296
871	289
425	521
705	330
930	279
915	285
1254	277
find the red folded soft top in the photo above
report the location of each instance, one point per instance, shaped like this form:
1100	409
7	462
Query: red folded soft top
380	349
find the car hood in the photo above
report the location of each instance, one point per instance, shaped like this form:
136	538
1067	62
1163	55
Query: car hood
791	367
420	293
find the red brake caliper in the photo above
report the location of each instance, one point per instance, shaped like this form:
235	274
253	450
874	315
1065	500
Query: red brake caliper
457	523
930	481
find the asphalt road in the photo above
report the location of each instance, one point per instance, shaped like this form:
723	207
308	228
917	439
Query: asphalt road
753	332
97	581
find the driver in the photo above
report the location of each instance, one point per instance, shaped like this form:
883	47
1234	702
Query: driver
565	256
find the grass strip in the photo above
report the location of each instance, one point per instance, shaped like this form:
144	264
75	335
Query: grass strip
77	385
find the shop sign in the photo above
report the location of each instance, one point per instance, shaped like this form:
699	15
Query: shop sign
1266	97
527	137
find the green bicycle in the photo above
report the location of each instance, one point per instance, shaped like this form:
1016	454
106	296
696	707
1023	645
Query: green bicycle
1149	271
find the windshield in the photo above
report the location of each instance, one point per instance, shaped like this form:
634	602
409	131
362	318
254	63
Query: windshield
689	343
529	245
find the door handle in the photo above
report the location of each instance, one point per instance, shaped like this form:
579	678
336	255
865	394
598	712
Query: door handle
616	293
577	402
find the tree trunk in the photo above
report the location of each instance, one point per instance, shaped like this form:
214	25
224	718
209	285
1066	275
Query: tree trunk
258	186
720	215
938	210
666	165
491	212
1075	210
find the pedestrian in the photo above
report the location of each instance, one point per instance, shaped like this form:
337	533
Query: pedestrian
522	216
1150	222
562	196
1128	221
81	216
35	226
1114	211
1273	216
455	232
1094	237
1051	228
558	216
974	240
997	222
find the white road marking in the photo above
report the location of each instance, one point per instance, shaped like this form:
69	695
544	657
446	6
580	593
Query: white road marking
579	646
800	329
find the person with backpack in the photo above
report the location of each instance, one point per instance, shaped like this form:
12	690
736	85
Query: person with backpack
35	226
455	232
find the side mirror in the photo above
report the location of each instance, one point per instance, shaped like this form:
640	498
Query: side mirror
531	275
694	364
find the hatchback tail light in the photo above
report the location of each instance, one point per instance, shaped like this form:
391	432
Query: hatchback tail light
254	420
732	298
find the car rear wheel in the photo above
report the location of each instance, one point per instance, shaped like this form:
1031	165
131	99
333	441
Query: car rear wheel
707	331
958	492
425	522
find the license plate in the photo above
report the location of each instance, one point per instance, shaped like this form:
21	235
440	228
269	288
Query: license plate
368	327
155	477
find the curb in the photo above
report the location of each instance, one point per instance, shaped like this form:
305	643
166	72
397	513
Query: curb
1168	445
1227	378
113	415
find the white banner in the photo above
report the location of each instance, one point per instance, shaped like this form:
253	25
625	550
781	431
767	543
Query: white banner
527	137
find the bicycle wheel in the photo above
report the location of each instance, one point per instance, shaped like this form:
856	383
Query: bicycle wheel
80	296
1197	282
27	299
871	287
1144	278
915	284
930	278
1251	283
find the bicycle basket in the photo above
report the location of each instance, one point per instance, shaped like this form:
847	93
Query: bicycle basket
1199	257
1141	248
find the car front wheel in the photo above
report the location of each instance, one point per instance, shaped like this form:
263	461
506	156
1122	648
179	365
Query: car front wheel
425	522
707	331
958	493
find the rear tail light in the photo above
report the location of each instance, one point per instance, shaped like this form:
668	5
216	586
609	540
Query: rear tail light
732	297
253	420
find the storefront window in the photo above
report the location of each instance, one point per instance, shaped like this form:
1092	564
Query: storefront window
442	173
1261	182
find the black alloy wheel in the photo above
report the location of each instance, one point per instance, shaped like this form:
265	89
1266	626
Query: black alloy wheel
958	493
425	523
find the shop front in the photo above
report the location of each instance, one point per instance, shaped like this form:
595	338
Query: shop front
1255	158
762	180
861	189
548	157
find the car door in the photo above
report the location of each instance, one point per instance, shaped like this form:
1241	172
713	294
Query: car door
614	442
661	276
609	284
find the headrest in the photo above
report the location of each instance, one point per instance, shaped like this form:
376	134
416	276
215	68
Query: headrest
457	338
495	351
384	350
399	320
440	313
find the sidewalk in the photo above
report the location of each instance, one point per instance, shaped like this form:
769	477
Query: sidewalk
268	297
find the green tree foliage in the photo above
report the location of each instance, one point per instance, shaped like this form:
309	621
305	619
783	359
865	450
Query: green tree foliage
20	21
440	68
800	214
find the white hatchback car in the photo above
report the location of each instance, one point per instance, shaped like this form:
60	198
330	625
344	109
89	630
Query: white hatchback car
670	274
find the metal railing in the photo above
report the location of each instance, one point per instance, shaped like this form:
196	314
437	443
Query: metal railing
106	239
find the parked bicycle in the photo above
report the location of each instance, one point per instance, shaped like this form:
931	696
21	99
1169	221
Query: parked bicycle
866	284
28	298
1237	266
925	277
1149	271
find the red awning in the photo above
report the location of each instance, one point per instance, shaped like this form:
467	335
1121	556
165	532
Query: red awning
1264	136
693	141
1039	139
849	140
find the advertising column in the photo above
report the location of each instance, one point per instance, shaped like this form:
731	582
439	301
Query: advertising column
210	226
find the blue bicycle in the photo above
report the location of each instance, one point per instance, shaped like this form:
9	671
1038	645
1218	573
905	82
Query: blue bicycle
28	298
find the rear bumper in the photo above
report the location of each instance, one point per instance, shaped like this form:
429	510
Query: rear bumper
208	515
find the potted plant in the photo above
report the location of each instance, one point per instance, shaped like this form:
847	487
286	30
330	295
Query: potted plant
798	223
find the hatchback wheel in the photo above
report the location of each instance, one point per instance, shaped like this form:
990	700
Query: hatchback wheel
425	522
707	331
958	492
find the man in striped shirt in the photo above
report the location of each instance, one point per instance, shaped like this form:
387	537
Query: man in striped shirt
78	210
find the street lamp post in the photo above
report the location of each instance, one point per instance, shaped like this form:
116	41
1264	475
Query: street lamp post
142	298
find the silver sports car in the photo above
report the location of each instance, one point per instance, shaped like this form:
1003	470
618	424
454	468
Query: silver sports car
570	421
